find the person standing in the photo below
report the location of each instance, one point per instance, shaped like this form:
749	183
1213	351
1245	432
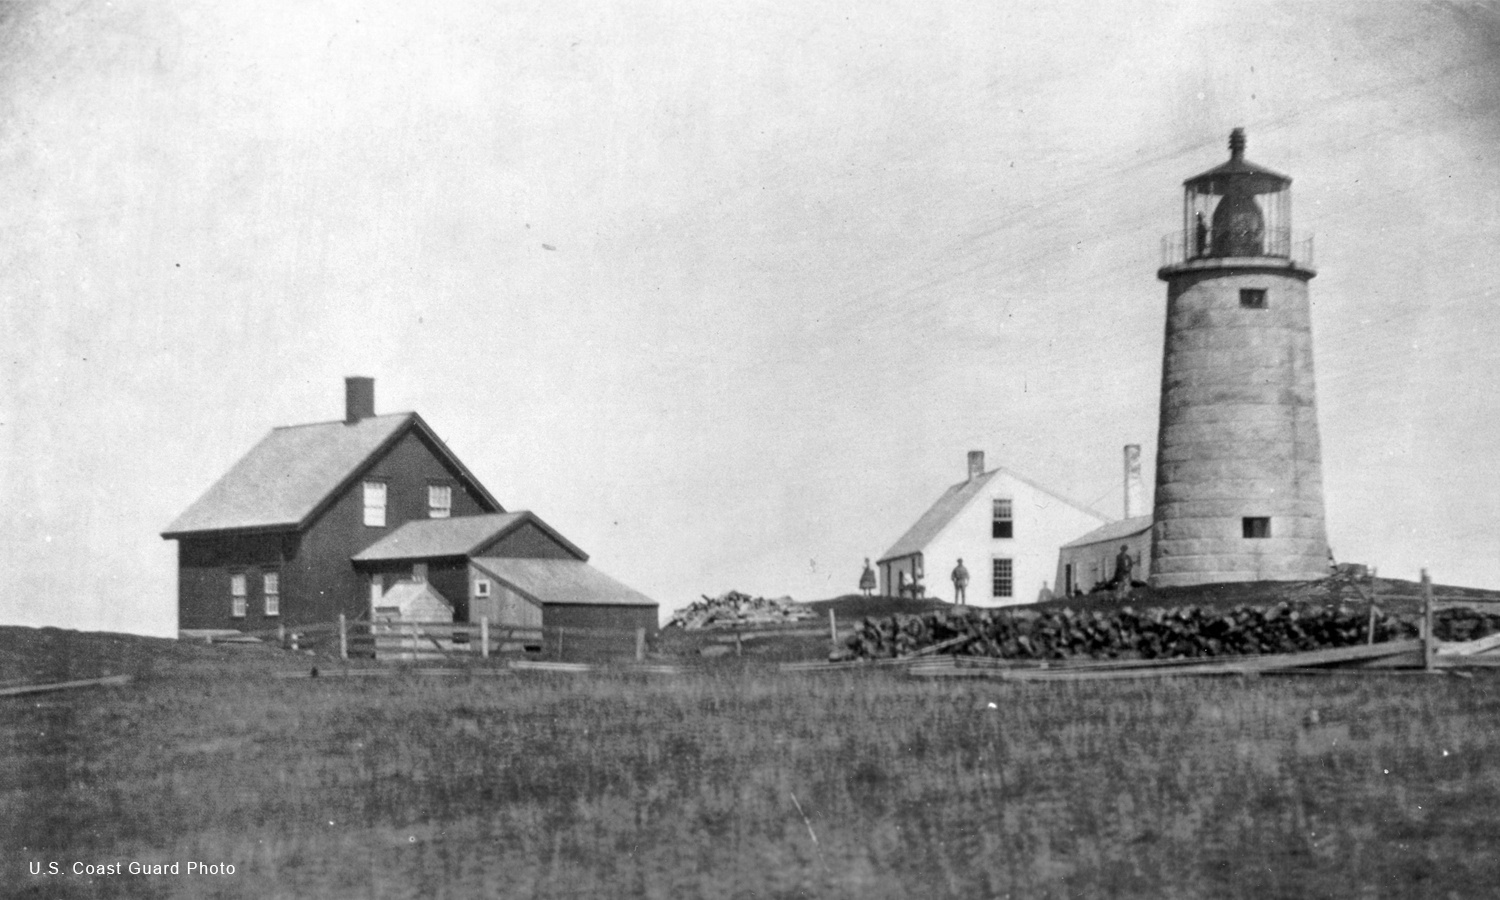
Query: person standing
867	579
960	583
1123	566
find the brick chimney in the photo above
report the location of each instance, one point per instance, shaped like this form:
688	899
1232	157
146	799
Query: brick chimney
359	399
1135	489
976	464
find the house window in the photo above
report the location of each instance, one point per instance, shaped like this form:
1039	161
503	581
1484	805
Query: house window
439	501
375	503
1001	580
1001	523
237	595
481	587
1256	526
271	587
1253	298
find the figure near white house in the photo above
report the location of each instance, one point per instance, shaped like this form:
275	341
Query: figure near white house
960	583
867	579
1123	566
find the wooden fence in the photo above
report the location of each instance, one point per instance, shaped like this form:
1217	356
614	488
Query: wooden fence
427	641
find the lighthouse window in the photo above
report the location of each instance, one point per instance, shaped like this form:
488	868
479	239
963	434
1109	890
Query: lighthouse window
1257	526
1253	298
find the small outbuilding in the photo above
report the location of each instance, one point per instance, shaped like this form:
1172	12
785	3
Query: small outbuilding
1089	561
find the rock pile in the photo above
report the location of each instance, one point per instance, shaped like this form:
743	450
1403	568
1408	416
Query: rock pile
1122	634
735	608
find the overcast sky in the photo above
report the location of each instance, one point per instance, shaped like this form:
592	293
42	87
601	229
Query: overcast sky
807	255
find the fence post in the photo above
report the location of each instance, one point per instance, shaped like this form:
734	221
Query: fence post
411	635
343	637
281	634
737	639
1429	640
640	645
484	636
833	627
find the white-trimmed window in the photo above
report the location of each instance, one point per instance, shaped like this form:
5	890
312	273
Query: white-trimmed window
270	588
375	503
237	582
1002	524
1002	580
439	501
481	587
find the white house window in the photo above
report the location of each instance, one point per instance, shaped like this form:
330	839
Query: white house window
375	503
481	587
1001	579
237	595
271	587
1001	522
439	501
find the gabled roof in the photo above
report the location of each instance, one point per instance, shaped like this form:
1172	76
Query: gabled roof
458	536
953	501
297	470
1114	531
564	582
407	597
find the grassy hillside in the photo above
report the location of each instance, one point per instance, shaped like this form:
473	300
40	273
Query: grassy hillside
740	783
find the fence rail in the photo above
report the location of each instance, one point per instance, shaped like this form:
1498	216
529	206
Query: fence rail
387	640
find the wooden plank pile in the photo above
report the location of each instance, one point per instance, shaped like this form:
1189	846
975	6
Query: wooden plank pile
735	609
1124	634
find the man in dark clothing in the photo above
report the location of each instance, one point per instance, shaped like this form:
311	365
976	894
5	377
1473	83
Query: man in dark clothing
960	583
1123	565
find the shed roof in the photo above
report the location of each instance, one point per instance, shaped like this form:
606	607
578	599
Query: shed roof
458	536
952	502
1114	531
295	470
561	582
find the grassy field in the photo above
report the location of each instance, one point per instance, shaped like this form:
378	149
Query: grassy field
739	781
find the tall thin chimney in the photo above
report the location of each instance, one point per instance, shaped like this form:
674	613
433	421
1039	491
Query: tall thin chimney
359	398
1135	489
976	464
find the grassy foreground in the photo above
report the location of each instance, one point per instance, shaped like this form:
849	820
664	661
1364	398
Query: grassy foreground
690	786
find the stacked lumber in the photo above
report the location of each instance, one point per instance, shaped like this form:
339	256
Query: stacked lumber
1183	633
736	609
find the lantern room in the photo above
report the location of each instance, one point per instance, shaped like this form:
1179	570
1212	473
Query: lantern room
1237	209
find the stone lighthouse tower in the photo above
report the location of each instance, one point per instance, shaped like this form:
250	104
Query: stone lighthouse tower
1239	486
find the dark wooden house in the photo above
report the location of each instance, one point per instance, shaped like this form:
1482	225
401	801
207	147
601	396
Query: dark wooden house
271	541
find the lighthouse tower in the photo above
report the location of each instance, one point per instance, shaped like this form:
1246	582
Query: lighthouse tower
1239	487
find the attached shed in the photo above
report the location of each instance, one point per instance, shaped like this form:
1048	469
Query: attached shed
510	568
570	593
1089	561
